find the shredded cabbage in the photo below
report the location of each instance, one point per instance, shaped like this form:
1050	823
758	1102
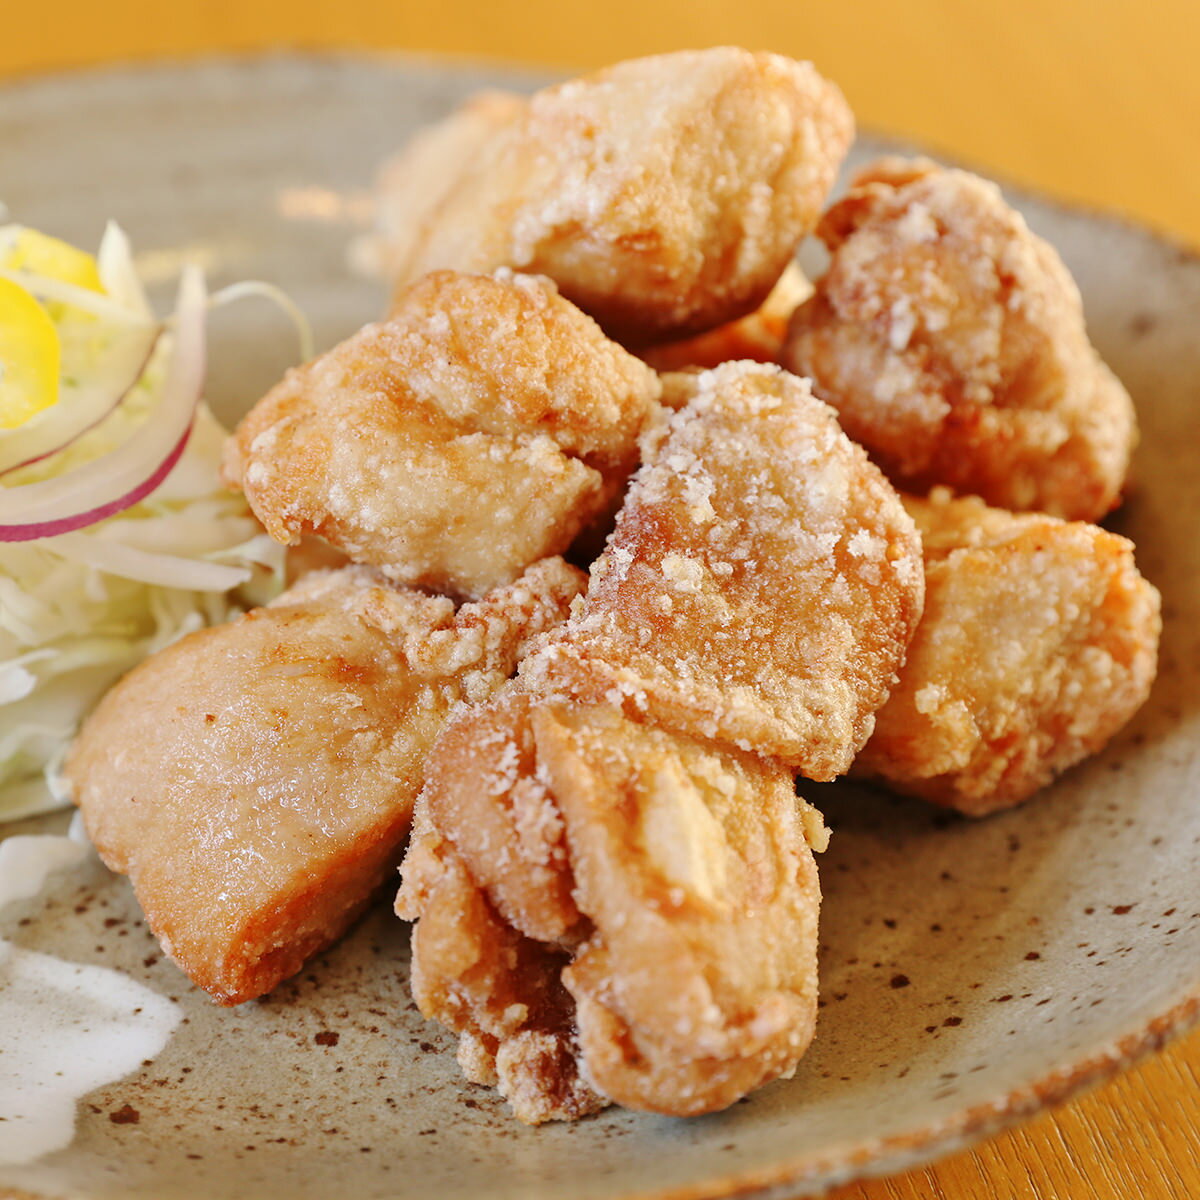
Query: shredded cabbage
79	610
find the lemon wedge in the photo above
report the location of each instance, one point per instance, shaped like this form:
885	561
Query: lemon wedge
29	357
43	255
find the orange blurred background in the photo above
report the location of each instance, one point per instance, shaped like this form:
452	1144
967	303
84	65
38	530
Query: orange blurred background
1095	101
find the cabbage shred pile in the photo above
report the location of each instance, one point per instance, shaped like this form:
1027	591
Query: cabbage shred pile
79	610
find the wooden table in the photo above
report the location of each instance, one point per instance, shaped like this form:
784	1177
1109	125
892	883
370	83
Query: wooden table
1097	101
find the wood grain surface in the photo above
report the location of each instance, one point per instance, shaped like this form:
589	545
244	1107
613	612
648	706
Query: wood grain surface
1097	102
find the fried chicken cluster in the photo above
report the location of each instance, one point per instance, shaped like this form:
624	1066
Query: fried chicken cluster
611	875
622	821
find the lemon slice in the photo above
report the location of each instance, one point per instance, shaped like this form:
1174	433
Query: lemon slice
29	357
42	255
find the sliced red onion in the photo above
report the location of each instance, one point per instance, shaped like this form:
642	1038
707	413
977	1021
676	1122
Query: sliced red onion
121	478
85	407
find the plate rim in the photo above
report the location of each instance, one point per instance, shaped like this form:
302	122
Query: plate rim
861	1158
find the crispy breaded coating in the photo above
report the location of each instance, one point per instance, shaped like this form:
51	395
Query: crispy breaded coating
480	428
500	991
951	341
665	195
757	336
1039	641
256	780
666	881
761	585
488	877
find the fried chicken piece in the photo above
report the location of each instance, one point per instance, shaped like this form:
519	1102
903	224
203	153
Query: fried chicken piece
256	780
476	972
610	912
951	341
758	336
1039	641
761	585
665	195
480	428
414	184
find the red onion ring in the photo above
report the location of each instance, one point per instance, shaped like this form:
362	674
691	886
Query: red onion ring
42	529
122	477
37	446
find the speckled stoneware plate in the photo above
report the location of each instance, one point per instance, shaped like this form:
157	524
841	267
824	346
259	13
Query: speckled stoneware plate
971	972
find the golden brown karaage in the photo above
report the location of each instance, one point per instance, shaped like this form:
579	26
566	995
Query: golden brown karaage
664	195
758	335
1039	641
610	912
760	587
481	427
951	341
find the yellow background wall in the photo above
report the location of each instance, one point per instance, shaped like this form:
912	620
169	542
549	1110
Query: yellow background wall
1097	101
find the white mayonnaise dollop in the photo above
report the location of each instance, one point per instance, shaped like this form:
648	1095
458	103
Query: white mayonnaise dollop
65	1028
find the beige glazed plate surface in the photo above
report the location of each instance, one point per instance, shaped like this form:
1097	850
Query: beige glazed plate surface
971	972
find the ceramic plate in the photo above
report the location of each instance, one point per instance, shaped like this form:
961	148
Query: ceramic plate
971	972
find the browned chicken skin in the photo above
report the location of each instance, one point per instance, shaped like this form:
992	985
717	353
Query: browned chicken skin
256	780
758	336
951	341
